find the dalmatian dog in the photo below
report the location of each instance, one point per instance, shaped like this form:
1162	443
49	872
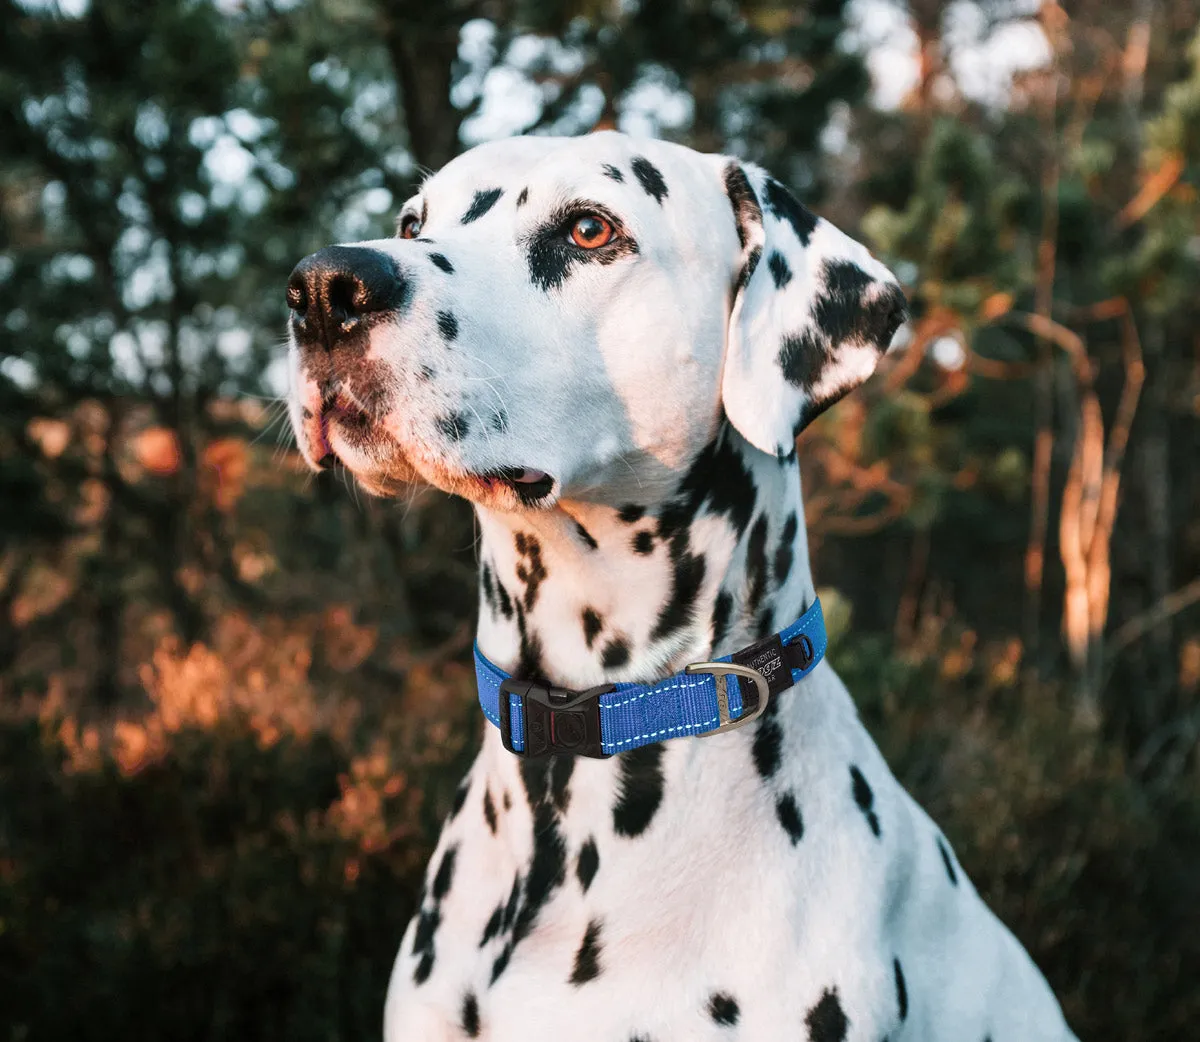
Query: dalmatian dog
609	346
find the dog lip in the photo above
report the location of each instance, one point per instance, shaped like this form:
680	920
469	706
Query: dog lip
526	476
529	485
339	408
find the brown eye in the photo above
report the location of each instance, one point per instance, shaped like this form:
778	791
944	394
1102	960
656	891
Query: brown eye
410	226
591	232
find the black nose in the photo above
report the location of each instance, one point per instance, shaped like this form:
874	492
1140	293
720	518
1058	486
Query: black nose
334	291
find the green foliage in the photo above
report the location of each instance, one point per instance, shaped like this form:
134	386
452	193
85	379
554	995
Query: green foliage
955	220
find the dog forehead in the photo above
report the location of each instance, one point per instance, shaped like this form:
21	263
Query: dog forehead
647	170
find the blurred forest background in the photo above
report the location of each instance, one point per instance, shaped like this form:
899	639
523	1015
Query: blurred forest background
234	699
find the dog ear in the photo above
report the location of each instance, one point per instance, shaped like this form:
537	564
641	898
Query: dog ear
813	312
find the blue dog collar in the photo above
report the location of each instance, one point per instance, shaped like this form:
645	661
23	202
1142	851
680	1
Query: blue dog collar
535	719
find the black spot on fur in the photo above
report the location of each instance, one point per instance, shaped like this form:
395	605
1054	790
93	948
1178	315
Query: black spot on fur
686	579
826	1020
500	420
803	358
747	216
723	1009
586	536
547	869
592	624
841	314
455	427
587	959
439	260
484	200
423	941
756	564
424	968
784	553
643	542
460	796
901	990
631	513
768	741
588	863
722	610
470	1015
789	817
529	658
947	860
746	211
445	874
501	963
447	325
306	412
613	172
780	271
503	600
764	627
545	782
864	797
427	923
561	769
523	198
616	653
788	208
507	800
747	269
720	479
511	906
640	791
425	373
489	811
530	569
492	926
650	178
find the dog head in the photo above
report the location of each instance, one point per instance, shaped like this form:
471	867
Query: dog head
571	317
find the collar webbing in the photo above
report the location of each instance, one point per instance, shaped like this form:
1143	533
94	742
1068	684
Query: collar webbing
536	719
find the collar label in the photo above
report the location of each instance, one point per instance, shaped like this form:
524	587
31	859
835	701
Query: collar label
767	657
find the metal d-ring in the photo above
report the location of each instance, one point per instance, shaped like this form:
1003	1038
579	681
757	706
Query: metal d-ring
721	672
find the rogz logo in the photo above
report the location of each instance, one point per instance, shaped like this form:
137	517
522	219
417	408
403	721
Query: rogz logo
767	657
768	664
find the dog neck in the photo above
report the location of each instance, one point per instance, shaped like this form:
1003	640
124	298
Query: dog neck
584	594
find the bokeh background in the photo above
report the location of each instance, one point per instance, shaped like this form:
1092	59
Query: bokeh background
234	699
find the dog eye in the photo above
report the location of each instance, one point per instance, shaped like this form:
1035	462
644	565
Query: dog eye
410	226
591	232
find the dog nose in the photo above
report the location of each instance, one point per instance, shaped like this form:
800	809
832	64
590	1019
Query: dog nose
333	291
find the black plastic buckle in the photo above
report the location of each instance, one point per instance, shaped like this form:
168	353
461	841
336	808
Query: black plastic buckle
556	720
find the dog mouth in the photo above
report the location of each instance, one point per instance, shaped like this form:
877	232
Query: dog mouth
343	431
529	486
342	418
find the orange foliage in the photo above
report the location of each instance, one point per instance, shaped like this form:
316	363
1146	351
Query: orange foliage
226	463
157	450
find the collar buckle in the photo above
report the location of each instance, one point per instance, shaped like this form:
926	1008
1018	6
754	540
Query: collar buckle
722	672
553	719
